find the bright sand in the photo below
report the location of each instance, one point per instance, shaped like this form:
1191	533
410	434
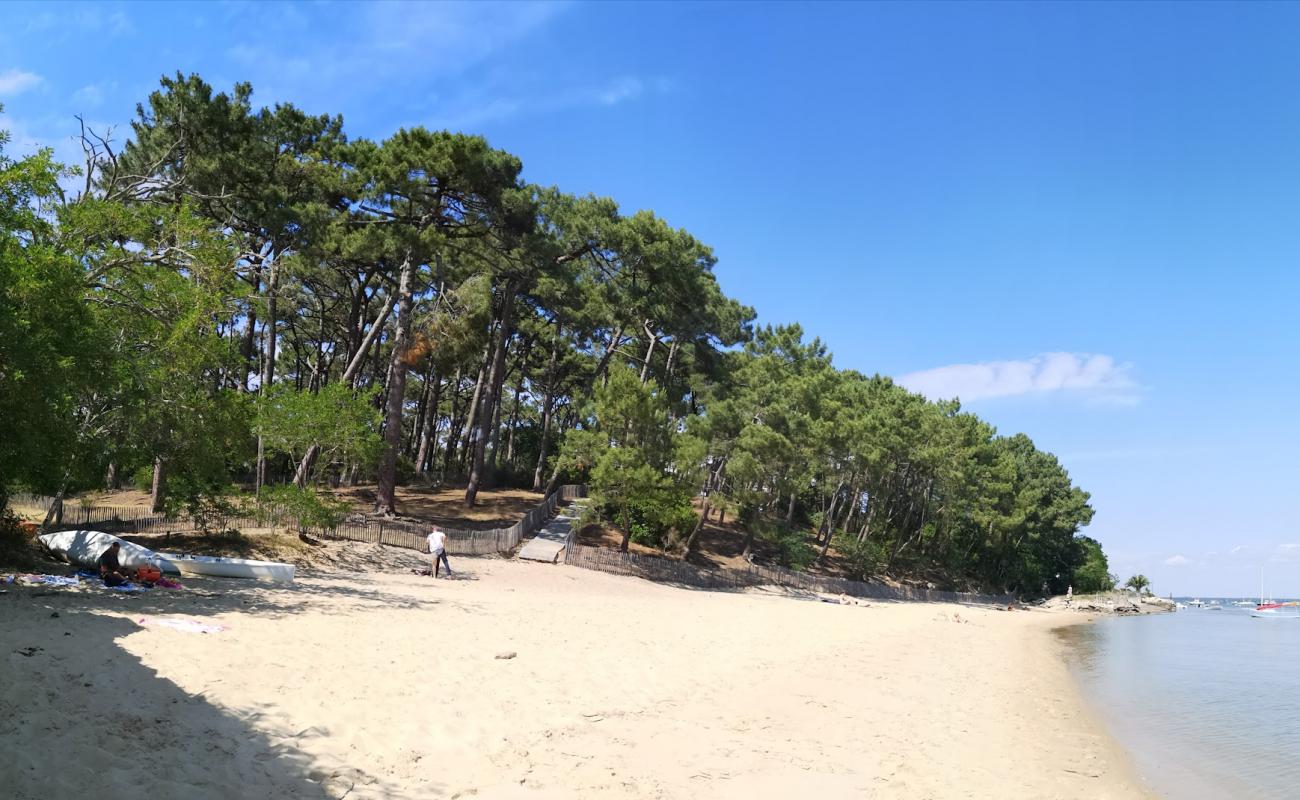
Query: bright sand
389	685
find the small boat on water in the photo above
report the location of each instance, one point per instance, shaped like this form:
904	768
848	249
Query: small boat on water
1197	603
1246	603
1289	610
216	566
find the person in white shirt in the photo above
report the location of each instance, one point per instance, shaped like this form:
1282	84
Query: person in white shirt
438	549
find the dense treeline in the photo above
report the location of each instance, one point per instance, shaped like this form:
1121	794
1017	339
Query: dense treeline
244	295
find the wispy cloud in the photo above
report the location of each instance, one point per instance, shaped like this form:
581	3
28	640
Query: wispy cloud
92	94
1098	378
476	108
1177	561
64	20
17	81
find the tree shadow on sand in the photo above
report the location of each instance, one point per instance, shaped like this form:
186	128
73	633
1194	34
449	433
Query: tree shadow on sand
80	715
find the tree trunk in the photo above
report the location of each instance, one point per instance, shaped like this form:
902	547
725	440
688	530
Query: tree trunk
614	342
159	485
268	368
649	351
789	514
349	376
494	441
250	328
386	492
547	404
554	480
472	411
495	376
111	481
425	455
417	432
514	411
449	455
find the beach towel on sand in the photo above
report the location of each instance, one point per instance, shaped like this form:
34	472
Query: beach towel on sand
47	580
180	624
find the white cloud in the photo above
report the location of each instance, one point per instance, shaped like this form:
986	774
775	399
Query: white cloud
620	90
475	108
17	81
92	95
1177	561
68	19
1097	377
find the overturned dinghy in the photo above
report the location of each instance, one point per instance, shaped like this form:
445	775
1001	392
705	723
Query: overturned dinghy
218	567
85	547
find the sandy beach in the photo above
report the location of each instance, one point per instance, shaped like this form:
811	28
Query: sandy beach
392	685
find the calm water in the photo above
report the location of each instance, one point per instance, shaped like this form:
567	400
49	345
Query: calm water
1207	702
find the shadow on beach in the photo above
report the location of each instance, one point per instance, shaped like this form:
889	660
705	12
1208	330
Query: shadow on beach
80	715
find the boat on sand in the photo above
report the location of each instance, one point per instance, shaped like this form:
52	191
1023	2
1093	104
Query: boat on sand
85	547
218	567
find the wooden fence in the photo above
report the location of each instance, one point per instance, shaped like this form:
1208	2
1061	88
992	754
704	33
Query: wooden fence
681	573
397	533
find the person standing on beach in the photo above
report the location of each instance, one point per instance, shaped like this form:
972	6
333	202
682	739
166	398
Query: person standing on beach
438	549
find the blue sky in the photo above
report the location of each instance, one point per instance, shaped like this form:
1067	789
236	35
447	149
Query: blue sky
1082	219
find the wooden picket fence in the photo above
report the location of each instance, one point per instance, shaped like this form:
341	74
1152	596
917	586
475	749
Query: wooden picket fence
681	573
408	534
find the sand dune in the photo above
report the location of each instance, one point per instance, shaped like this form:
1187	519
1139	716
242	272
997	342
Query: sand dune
390	685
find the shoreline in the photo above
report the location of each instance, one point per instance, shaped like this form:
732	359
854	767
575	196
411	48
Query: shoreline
520	680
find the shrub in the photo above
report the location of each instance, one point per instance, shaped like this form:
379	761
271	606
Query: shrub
15	545
302	509
142	479
862	560
789	545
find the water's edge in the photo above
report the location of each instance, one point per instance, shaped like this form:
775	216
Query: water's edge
1163	688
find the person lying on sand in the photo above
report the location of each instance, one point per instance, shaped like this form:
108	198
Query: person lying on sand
438	549
110	568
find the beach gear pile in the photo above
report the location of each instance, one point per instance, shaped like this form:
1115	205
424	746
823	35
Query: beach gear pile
88	580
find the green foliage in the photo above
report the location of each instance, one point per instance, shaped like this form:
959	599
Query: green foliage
208	505
142	479
15	545
788	545
232	274
50	343
302	508
863	560
345	425
1139	583
1093	575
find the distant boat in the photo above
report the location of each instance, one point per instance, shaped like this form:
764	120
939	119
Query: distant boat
1246	603
1197	603
1289	610
1179	606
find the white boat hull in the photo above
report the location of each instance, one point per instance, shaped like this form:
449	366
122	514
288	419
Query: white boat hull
215	566
84	548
